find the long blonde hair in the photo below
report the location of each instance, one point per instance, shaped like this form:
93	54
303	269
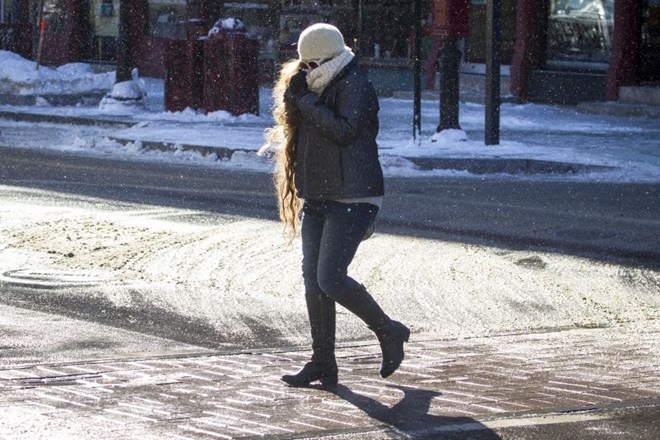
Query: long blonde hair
282	139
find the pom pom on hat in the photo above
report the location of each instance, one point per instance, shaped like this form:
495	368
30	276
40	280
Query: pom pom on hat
320	41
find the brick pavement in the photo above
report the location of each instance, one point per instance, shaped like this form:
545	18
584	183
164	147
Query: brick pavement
441	383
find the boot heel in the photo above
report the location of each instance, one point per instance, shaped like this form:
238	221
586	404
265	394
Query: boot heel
329	381
391	341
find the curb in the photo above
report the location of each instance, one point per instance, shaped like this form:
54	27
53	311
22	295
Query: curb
478	166
221	152
504	166
92	98
472	166
73	120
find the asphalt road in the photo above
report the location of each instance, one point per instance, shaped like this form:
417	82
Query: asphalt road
605	221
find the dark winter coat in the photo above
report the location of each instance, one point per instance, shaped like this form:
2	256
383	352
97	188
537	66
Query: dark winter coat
337	154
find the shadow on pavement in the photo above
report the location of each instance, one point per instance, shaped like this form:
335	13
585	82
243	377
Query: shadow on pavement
411	415
142	315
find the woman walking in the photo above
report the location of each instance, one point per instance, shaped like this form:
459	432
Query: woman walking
326	114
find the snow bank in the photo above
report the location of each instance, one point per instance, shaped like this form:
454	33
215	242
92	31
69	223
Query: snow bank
19	76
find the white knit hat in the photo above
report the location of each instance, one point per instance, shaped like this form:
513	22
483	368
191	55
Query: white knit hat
320	41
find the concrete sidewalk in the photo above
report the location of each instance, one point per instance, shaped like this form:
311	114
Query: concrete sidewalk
444	388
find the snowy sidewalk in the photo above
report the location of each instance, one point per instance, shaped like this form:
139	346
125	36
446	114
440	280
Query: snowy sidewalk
537	141
205	138
443	387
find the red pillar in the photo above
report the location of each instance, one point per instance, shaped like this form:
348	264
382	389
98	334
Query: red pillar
526	54
625	46
67	45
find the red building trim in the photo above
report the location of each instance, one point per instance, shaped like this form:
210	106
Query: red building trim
530	36
151	61
66	46
525	53
625	46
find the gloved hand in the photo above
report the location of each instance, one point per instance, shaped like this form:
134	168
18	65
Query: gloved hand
297	86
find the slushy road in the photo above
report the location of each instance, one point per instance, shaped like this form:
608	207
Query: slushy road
167	274
601	220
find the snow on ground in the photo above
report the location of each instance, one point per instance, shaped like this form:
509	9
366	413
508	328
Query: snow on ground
19	76
532	131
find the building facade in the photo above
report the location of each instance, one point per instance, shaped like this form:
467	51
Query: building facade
568	51
554	50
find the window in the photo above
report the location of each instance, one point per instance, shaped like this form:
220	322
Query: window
54	13
107	8
165	17
258	21
580	31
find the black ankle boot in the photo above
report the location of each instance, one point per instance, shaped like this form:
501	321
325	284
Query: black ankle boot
391	334
391	337
326	374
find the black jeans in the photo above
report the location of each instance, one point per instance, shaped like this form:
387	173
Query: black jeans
331	233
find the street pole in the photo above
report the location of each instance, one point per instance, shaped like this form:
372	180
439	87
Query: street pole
124	46
42	32
450	58
35	15
41	22
360	30
417	111
493	63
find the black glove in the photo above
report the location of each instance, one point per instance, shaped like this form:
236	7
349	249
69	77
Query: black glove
297	86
